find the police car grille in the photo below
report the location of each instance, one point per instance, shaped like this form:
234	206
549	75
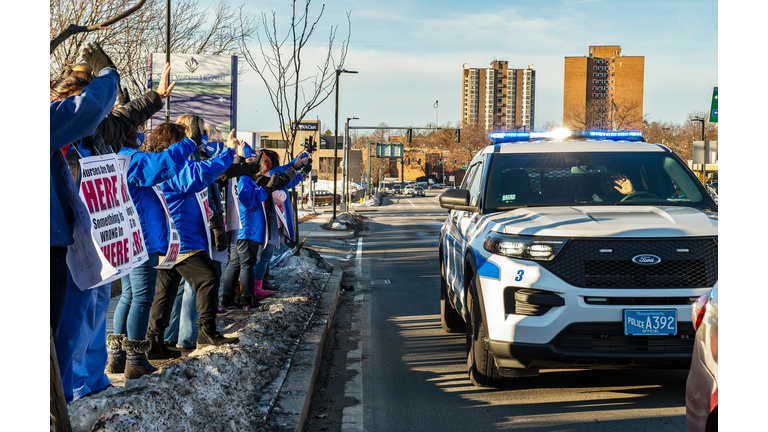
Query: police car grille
609	337
582	264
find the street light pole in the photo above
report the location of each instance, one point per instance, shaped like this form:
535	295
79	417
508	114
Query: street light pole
335	138
345	165
168	54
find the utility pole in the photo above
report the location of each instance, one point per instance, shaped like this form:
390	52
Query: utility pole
168	54
335	138
703	166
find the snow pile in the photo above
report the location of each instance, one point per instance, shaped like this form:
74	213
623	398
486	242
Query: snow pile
216	388
328	185
344	222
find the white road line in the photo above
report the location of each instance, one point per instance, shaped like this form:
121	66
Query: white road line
359	259
411	203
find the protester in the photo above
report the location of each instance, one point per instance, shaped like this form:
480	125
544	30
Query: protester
281	225
75	112
254	234
190	213
81	347
131	318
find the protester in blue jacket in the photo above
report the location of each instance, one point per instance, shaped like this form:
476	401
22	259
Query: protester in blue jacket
254	234
155	164
73	116
281	205
190	214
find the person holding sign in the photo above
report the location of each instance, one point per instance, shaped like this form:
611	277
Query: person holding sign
186	195
154	164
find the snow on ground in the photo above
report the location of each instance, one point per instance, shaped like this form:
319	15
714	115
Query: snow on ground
328	185
217	388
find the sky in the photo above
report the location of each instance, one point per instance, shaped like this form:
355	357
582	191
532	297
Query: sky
410	54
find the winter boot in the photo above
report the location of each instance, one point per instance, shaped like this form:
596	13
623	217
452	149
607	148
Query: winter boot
259	293
212	337
136	364
115	354
159	350
228	301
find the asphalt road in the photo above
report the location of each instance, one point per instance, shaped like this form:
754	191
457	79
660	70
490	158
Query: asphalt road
389	366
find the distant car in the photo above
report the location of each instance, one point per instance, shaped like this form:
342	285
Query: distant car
409	189
437	186
397	189
417	191
701	386
322	197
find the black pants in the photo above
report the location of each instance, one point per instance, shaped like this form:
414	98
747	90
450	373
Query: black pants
242	259
203	276
58	287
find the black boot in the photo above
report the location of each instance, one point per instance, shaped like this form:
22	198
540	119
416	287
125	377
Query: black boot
136	358
115	354
159	350
212	337
250	301
228	301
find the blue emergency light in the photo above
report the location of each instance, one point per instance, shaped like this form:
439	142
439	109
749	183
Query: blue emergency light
504	137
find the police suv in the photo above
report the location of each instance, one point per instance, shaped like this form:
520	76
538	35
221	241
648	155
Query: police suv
573	249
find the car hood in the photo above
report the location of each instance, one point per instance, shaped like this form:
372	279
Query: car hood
606	221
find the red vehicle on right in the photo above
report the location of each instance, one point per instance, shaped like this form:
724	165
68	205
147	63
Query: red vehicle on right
701	386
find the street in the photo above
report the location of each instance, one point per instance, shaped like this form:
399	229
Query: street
388	366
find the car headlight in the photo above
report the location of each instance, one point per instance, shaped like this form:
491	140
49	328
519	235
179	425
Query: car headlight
524	247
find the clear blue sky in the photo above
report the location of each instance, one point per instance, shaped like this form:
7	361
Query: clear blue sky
409	54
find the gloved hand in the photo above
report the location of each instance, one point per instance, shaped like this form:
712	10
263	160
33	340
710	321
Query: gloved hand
301	162
96	58
306	170
276	181
122	95
279	197
195	134
219	233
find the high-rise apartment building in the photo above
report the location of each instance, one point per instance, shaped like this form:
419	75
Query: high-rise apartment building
499	98
604	90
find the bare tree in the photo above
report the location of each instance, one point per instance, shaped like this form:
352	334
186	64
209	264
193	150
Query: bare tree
551	125
216	30
292	91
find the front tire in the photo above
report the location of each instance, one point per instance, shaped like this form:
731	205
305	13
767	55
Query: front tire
450	319
481	365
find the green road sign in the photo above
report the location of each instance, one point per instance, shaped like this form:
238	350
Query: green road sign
713	107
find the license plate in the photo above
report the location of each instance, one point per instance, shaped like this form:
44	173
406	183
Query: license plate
650	322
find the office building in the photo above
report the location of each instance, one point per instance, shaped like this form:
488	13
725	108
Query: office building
499	98
603	90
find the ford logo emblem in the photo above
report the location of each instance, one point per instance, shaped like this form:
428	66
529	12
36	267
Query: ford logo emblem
646	259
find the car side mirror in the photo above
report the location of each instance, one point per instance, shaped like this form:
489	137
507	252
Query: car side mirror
456	199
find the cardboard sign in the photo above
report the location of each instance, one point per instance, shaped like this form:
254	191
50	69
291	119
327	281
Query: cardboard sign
104	237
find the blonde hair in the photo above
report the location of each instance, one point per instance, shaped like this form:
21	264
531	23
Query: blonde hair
186	119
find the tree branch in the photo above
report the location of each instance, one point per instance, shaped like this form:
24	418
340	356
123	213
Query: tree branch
74	28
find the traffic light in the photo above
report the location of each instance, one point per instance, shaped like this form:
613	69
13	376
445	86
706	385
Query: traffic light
457	135
454	163
440	162
409	135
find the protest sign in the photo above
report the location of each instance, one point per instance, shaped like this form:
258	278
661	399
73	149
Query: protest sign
139	251
174	243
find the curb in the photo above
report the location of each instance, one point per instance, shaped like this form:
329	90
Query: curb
292	403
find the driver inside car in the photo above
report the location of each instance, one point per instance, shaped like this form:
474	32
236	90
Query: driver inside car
613	187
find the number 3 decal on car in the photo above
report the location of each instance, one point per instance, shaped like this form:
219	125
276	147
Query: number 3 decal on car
520	275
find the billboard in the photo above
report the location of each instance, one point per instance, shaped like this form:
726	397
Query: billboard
206	85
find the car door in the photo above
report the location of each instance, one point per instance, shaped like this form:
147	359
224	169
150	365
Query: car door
455	240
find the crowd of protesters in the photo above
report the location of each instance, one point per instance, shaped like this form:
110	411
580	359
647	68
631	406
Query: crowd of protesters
165	307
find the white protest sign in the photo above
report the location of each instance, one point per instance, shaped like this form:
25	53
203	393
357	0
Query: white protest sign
202	201
233	207
137	235
102	251
174	243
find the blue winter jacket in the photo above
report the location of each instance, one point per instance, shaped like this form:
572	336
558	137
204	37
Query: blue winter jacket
145	171
180	194
252	218
287	205
72	119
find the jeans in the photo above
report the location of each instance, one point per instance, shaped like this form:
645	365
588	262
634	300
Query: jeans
181	328
223	267
58	287
203	275
132	311
81	350
264	258
242	260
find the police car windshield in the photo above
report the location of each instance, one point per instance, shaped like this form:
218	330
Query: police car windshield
595	178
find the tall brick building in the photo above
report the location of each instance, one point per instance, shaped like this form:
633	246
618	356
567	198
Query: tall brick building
604	90
499	98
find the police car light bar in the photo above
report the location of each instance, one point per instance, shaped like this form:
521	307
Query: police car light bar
504	137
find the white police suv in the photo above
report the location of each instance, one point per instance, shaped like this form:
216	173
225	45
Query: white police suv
575	250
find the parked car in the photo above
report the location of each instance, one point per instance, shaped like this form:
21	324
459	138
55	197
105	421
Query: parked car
701	386
575	253
417	191
322	197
